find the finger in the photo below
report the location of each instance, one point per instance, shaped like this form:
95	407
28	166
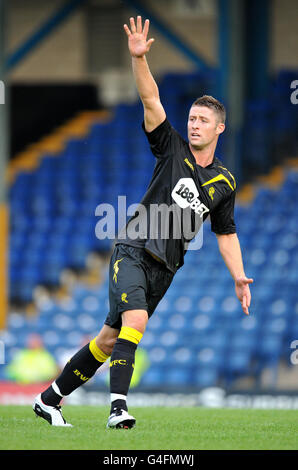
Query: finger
247	294
245	310
249	281
132	25
127	30
244	305
139	24
149	43
146	28
248	299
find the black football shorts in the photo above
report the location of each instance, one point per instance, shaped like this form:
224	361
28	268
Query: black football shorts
136	281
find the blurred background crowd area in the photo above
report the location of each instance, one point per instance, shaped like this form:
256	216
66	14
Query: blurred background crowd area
71	139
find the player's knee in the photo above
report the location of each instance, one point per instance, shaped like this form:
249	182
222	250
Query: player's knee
139	325
136	319
106	342
106	345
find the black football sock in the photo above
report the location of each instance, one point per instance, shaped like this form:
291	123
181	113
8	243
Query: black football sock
122	365
79	369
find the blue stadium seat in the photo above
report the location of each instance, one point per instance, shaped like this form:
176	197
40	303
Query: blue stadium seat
243	342
153	377
270	348
204	376
238	363
209	356
177	375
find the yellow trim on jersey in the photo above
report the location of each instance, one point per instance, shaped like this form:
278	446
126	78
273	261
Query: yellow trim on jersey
229	174
97	353
189	164
130	334
219	178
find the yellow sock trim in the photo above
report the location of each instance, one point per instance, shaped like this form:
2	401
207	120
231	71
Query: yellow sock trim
97	353
130	334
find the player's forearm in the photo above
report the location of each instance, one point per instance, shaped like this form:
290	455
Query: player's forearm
230	250
146	85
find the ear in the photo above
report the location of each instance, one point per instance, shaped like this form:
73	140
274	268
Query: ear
220	128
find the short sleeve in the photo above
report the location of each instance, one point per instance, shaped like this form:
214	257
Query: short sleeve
160	139
222	217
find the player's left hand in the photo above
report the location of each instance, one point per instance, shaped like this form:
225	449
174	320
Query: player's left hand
243	292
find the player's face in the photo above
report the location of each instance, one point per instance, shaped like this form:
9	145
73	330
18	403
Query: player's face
203	127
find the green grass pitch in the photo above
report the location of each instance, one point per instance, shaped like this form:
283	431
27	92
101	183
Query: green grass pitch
157	429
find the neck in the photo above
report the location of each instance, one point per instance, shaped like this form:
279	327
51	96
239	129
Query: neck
203	156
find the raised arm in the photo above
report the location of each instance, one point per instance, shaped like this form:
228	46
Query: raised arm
138	45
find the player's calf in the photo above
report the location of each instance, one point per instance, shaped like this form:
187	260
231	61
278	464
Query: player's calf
79	369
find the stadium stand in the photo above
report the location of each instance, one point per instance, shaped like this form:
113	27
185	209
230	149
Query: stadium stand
198	336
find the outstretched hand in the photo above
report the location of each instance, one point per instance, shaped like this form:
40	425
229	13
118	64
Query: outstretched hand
243	292
137	37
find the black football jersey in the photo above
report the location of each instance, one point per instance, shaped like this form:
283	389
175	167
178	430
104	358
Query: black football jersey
180	196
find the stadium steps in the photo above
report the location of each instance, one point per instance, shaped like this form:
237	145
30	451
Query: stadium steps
54	143
274	180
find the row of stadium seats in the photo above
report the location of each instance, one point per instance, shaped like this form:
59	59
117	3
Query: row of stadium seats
198	334
54	206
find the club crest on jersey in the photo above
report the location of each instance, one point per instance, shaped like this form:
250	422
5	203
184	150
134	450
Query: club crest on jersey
185	194
211	192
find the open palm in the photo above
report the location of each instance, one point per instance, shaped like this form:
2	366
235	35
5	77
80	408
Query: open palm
137	37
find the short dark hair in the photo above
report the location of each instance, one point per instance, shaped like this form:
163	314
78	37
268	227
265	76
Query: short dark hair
212	103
